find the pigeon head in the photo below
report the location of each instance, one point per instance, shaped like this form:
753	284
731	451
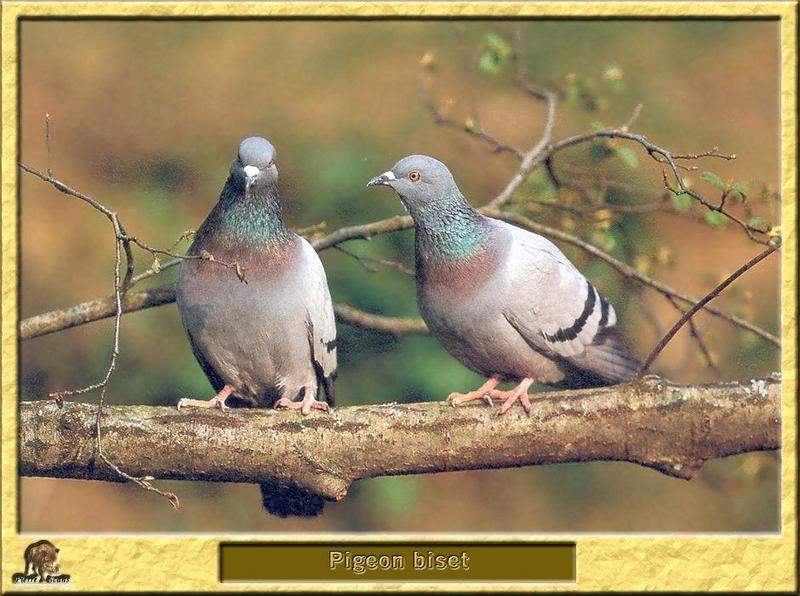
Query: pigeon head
419	180
254	166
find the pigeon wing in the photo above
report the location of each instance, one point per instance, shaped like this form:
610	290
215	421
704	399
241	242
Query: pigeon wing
320	321
560	313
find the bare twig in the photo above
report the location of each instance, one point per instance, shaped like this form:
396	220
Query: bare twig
520	66
467	62
47	145
699	304
312	230
470	125
536	153
363	231
110	215
634	117
695	332
364	262
203	256
543	151
143	481
662	155
394	325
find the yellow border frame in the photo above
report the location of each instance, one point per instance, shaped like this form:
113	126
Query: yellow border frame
764	563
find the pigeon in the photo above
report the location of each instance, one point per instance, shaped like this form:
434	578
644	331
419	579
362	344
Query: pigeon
505	302
267	336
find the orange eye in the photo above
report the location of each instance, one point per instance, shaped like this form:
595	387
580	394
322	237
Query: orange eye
414	176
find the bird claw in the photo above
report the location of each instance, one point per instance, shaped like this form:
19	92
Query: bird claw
452	399
456	398
212	403
305	406
218	401
519	394
487	399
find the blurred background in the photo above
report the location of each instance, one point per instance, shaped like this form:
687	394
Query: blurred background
147	115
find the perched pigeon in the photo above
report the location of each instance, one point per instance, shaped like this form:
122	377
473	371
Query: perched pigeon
268	340
505	302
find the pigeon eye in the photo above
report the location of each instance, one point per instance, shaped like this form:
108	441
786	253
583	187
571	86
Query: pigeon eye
414	176
271	163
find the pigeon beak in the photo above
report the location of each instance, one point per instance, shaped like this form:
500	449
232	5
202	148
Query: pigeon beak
250	172
384	179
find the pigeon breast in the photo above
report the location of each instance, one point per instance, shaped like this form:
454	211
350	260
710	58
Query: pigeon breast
254	336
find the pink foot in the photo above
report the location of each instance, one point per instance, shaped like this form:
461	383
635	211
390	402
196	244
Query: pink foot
218	401
498	395
309	402
456	399
518	393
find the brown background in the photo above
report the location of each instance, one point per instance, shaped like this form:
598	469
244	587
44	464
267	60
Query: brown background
146	117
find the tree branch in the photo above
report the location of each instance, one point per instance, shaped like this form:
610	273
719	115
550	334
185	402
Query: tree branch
670	428
93	310
687	316
101	308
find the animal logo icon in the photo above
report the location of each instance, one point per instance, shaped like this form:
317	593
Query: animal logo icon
41	565
42	558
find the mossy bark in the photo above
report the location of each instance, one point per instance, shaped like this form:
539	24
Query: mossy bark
671	428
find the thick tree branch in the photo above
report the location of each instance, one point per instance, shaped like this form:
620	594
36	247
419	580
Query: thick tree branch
670	428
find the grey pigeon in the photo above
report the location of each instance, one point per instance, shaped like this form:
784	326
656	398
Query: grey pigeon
270	340
503	301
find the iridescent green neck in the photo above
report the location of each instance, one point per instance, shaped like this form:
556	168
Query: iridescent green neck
252	217
449	228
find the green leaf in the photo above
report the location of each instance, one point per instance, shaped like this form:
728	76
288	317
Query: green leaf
740	188
682	202
714	180
547	194
598	151
617	86
614	77
612	72
627	155
572	94
489	62
610	242
496	55
498	45
716	219
760	223
607	240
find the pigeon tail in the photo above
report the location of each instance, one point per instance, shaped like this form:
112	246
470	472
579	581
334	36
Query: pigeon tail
606	361
286	500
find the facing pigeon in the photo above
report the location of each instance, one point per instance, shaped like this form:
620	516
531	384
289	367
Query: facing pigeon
503	301
269	341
